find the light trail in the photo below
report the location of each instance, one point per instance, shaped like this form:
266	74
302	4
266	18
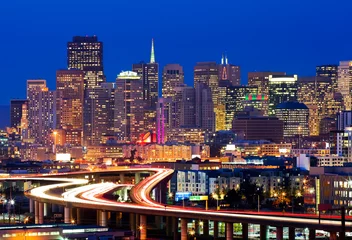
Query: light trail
144	204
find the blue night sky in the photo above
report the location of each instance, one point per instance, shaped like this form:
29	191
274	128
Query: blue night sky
278	35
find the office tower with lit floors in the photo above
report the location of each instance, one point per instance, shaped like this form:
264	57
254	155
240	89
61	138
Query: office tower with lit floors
229	73
317	94
173	76
41	112
282	88
17	108
70	99
329	71
149	73
129	107
98	114
86	53
344	82
261	80
235	97
295	116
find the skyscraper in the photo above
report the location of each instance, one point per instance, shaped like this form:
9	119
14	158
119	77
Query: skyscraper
345	83
149	73
208	73
295	116
98	113
129	107
329	71
70	93
86	54
173	76
234	101
282	88
204	108
228	72
41	111
317	94
261	80
18	106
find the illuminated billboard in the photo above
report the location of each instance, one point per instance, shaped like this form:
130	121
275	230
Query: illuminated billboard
63	157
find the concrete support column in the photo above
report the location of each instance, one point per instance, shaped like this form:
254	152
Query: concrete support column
67	215
103	219
137	222
36	212
311	234
54	208
46	209
333	236
229	231
41	213
279	233
245	231
206	227
143	227
78	216
168	226
137	178
263	232
216	229
291	233
175	227
31	205
184	230
133	222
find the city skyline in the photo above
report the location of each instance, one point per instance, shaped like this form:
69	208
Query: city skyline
281	48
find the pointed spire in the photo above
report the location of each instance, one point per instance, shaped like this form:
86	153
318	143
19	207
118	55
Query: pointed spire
226	61
222	59
152	56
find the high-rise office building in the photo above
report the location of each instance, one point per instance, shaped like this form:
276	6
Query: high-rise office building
70	95
204	108
282	88
329	71
163	113
260	102
295	116
18	106
220	109
261	80
317	94
343	120
258	128
149	73
234	101
86	54
173	76
41	112
129	107
228	72
98	114
208	73
344	82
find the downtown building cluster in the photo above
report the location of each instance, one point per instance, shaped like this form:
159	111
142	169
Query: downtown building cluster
89	116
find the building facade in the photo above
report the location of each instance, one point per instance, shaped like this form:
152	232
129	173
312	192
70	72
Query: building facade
129	107
282	88
295	117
